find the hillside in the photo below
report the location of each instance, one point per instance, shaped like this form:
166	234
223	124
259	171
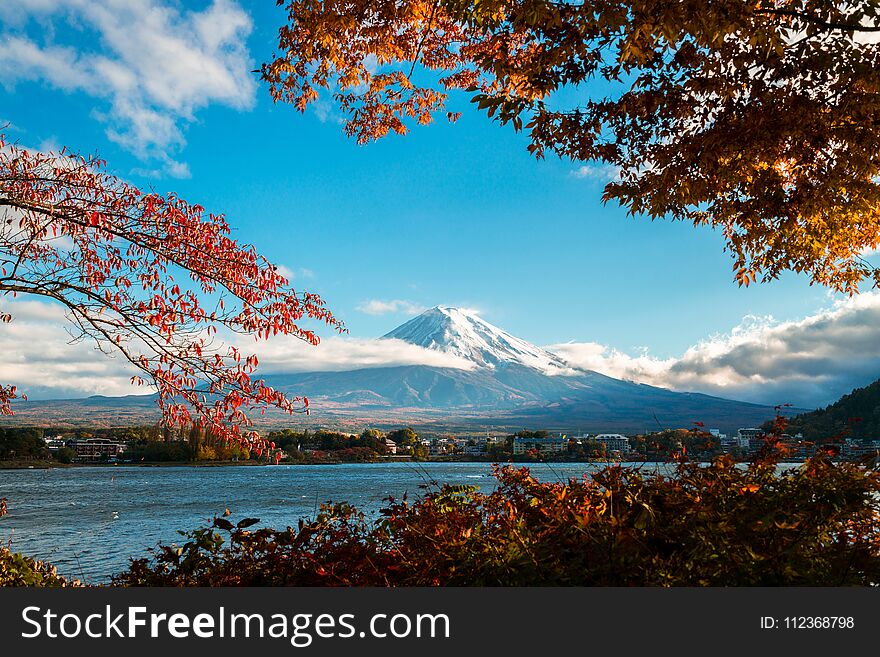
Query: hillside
515	396
841	416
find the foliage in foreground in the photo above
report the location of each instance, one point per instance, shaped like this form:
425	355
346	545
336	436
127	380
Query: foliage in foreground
715	524
19	570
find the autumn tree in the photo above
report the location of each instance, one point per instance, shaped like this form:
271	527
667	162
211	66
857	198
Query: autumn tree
759	118
404	437
151	278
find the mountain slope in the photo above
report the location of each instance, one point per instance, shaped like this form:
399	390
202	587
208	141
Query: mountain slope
856	415
515	396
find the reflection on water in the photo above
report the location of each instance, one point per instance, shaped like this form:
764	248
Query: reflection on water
89	521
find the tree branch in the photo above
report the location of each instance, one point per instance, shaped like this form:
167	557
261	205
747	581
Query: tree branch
830	25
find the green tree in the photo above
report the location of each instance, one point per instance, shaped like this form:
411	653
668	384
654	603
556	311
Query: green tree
65	455
404	437
22	443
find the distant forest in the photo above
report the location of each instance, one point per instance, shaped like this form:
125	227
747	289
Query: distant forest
856	415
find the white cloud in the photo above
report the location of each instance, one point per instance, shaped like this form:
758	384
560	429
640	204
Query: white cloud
152	64
325	111
281	355
43	362
170	167
291	274
598	172
808	362
40	359
392	306
286	271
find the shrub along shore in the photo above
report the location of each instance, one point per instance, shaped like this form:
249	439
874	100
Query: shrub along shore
715	524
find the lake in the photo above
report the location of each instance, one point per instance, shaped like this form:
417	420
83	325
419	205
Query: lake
88	521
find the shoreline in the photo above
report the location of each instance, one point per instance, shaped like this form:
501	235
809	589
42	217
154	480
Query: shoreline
49	465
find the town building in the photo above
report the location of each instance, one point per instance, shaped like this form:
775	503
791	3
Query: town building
550	445
614	442
96	449
442	446
55	444
475	448
796	448
858	450
749	439
720	437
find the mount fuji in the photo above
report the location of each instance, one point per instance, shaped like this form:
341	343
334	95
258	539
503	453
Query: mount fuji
463	334
504	381
499	381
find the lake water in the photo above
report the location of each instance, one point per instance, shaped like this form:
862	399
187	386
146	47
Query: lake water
88	521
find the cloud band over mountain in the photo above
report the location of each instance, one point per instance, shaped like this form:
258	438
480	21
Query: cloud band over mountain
808	362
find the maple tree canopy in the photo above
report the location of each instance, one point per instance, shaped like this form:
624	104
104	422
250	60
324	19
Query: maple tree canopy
111	254
759	118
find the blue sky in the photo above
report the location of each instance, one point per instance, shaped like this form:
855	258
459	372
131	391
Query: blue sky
450	214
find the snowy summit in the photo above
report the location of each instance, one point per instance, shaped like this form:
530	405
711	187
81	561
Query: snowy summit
463	333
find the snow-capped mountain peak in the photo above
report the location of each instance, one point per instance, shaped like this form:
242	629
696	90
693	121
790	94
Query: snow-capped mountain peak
463	333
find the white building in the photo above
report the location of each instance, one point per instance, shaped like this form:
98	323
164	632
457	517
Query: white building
749	437
614	442
55	444
94	449
724	441
441	446
550	445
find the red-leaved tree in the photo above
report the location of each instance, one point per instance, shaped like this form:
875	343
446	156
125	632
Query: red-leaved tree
118	258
